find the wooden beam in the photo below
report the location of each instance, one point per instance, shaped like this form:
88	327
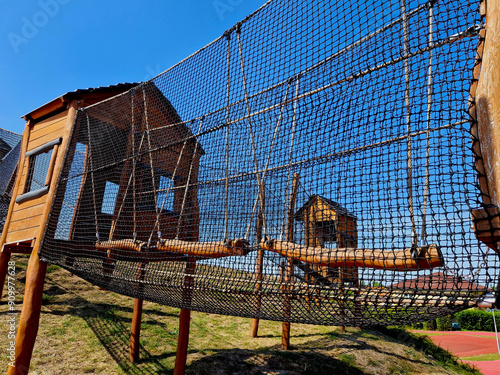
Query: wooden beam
20	247
135	331
288	277
486	226
35	276
30	315
259	263
184	320
427	257
50	171
182	342
487	99
205	249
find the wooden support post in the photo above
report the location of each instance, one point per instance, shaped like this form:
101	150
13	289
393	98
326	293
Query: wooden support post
182	342
30	315
35	273
185	320
135	332
254	328
288	279
487	109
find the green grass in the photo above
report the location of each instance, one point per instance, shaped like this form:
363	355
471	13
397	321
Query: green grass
483	357
84	330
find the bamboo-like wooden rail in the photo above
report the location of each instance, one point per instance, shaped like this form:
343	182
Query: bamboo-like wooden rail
427	257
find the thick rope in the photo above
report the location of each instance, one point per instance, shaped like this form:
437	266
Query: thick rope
134	162
188	182
92	179
250	130
170	186
266	168
423	234
290	156
226	182
409	167
149	150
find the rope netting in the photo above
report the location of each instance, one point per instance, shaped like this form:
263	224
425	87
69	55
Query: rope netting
314	164
10	146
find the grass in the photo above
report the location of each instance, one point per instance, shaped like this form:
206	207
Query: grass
84	330
483	357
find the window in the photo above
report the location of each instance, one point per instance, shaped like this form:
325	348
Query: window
72	193
165	196
37	171
109	200
41	163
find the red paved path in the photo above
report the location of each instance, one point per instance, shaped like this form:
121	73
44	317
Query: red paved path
465	344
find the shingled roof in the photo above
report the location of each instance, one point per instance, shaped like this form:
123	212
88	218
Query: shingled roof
299	215
439	281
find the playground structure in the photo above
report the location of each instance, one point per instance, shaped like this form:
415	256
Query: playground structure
183	190
10	145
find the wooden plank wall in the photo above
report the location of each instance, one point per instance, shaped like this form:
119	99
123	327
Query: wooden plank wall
26	217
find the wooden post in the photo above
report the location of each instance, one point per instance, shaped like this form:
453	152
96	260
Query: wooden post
487	110
254	328
35	273
185	320
288	279
135	332
30	315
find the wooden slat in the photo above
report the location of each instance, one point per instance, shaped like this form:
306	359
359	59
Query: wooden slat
27	212
21	235
53	128
27	222
22	178
44	139
54	105
30	203
39	126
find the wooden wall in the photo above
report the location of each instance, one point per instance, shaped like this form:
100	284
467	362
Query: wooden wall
27	217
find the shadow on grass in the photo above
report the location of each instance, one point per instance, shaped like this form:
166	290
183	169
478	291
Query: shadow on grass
114	334
273	360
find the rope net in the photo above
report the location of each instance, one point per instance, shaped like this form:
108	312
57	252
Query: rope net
10	146
314	164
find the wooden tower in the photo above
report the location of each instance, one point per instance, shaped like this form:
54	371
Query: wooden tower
48	146
327	222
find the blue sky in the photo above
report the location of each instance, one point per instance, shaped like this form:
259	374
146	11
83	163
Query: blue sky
50	47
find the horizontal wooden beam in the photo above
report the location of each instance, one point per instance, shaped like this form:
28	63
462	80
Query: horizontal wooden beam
19	247
205	249
424	257
486	226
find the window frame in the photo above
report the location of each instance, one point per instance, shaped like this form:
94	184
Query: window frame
31	158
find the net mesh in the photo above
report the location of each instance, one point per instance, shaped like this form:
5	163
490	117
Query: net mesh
9	155
312	165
